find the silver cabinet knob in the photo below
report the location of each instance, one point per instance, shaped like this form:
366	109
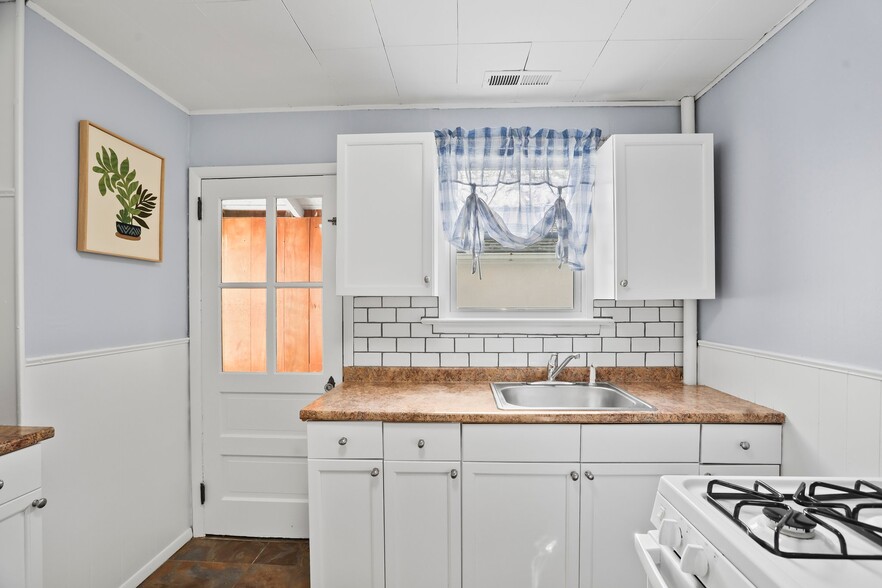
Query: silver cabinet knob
454	474
39	502
574	476
343	441
589	475
745	445
427	279
421	443
1	484
623	283
375	472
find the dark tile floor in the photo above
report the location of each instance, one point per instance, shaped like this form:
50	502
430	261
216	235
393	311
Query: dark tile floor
232	562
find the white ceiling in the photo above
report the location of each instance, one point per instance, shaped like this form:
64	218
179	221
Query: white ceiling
271	54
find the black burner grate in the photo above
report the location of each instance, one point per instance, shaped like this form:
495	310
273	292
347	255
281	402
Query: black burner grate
822	505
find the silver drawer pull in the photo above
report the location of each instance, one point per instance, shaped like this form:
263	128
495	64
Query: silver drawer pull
589	475
375	472
421	443
574	476
1	484
343	441
39	502
454	474
745	445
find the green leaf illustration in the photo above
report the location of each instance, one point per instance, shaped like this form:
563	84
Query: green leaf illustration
124	167
140	222
114	162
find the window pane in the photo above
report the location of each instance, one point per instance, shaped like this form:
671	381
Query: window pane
299	329
243	329
527	279
299	241
243	238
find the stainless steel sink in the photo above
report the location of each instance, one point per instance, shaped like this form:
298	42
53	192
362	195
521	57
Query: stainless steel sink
564	396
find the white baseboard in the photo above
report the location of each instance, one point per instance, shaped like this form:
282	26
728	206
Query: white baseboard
161	557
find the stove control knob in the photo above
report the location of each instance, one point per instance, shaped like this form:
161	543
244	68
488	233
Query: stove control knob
694	561
669	533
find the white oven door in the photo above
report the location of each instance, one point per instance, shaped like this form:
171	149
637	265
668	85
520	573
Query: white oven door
661	564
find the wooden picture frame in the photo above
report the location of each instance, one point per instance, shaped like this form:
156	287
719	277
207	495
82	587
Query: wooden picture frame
121	196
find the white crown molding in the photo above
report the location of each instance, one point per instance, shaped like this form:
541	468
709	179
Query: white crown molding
451	106
775	30
107	56
829	366
79	355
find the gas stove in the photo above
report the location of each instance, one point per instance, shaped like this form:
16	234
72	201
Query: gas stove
769	533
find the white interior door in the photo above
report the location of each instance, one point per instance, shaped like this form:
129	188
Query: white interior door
271	332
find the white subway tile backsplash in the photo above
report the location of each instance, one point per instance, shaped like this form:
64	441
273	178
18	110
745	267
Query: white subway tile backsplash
454	360
469	345
396	301
388	331
439	345
646	315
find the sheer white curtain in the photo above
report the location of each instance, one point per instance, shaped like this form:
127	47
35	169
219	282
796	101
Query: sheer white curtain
517	186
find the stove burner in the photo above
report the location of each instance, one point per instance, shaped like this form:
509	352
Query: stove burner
797	525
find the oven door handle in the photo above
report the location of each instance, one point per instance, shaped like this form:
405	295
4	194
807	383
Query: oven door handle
655	559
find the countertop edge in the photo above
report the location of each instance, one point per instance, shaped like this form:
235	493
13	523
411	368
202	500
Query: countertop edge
32	436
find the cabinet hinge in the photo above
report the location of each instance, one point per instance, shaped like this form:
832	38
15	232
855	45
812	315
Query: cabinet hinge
199	208
333	220
202	493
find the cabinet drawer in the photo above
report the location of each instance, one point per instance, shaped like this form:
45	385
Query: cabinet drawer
640	443
728	469
524	443
421	441
345	440
20	472
741	444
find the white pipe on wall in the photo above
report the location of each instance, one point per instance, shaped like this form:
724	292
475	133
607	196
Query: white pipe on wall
18	114
690	307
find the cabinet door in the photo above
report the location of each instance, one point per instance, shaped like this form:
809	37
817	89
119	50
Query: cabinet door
617	502
423	524
346	523
520	524
386	186
21	542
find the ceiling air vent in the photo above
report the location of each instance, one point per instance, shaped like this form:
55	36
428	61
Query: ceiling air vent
496	79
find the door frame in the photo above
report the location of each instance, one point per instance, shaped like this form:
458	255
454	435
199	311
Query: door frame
194	273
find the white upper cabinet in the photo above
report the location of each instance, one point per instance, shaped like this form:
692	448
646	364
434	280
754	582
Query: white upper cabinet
386	203
653	218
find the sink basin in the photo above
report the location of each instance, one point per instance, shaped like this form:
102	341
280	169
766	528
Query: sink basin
564	396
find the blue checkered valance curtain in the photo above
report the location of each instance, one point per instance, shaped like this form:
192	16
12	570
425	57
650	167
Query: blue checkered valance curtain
517	186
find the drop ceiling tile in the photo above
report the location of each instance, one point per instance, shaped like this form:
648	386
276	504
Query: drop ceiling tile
557	91
512	21
573	61
474	60
623	68
742	19
361	75
409	22
691	66
658	20
336	24
422	72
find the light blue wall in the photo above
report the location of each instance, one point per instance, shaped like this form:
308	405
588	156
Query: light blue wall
798	131
80	301
311	137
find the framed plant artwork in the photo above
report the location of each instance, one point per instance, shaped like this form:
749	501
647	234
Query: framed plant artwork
120	196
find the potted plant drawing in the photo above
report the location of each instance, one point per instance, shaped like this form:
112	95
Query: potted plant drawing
118	178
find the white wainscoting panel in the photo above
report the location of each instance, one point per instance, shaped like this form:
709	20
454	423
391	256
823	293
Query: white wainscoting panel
834	412
117	473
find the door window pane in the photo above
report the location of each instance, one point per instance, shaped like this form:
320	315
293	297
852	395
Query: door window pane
299	329
243	329
298	240
243	241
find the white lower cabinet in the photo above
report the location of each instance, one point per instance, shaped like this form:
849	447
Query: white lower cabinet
520	525
616	503
21	519
423	524
346	523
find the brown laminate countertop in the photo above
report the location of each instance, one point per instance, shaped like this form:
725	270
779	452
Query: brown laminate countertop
472	402
15	438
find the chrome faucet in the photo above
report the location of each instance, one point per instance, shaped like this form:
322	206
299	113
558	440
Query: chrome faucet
554	368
